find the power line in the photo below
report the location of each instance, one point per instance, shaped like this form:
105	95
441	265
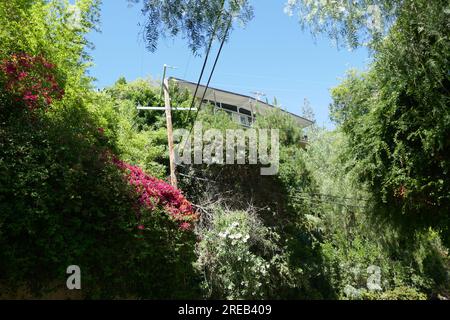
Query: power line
210	77
206	58
213	69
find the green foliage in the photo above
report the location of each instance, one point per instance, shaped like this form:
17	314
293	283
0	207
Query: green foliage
76	209
62	201
297	267
352	241
290	133
241	258
196	20
71	206
397	119
350	23
399	293
140	134
360	212
53	29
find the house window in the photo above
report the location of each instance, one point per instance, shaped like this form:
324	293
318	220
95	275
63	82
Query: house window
229	107
245	111
246	120
239	115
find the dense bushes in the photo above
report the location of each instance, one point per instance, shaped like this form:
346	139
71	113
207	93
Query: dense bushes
82	184
57	197
140	136
155	193
30	80
62	200
397	119
241	258
353	239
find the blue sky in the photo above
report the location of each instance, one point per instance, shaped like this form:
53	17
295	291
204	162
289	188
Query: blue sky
271	55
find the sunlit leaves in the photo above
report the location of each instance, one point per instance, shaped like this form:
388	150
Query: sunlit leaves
195	20
347	23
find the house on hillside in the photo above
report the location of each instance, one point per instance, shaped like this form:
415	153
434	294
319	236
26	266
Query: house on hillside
243	109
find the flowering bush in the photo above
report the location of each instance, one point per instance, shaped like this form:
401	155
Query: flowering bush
30	80
240	257
154	192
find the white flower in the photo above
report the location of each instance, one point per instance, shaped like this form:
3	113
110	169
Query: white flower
223	234
374	279
351	292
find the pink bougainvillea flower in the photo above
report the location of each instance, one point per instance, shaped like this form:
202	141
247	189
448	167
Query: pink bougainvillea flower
30	97
10	69
185	226
22	75
30	80
153	192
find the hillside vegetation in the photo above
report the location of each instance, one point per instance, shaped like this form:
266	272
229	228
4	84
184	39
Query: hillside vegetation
361	213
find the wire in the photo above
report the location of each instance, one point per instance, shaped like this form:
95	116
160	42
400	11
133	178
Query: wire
210	77
213	69
206	58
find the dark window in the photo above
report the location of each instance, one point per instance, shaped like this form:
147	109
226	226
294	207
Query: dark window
209	102
245	111
229	107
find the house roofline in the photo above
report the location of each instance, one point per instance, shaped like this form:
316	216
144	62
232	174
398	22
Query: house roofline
244	96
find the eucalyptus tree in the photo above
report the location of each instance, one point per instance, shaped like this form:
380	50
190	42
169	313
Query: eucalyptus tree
195	20
397	118
347	23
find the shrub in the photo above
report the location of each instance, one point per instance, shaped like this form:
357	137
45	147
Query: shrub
63	203
154	193
398	293
241	258
30	80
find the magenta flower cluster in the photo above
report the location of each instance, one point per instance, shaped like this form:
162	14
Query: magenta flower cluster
30	80
155	193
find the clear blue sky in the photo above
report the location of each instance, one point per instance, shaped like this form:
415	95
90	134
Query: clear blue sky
272	55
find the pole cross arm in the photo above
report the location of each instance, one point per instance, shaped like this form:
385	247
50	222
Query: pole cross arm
163	108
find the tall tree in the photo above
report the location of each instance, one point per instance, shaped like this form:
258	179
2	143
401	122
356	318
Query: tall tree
397	117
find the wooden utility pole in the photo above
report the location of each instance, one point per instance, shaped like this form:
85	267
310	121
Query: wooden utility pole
173	177
168	109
